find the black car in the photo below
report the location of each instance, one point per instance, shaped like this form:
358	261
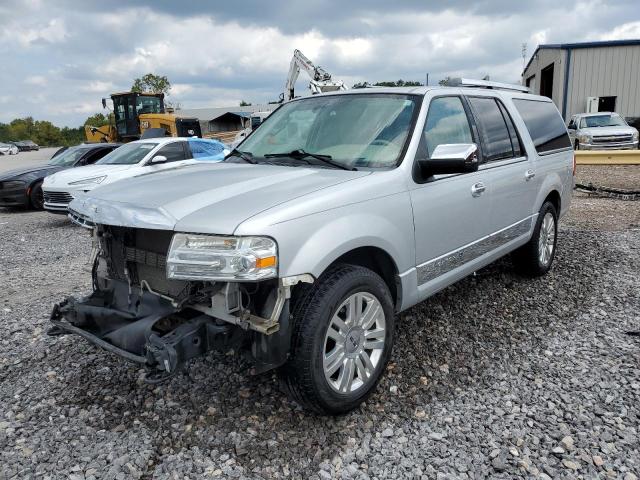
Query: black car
26	145
23	187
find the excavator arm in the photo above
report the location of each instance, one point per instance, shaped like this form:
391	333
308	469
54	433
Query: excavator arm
320	82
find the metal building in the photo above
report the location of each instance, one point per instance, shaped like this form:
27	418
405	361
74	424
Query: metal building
588	77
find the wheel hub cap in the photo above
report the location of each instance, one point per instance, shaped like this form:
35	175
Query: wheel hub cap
354	343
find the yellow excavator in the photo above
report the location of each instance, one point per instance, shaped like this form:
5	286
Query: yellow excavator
141	115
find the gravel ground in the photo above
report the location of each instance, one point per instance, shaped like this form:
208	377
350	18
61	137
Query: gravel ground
496	376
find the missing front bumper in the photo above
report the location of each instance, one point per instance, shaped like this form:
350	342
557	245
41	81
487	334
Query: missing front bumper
143	328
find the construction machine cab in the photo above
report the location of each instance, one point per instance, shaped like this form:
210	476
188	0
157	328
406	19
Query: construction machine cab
128	106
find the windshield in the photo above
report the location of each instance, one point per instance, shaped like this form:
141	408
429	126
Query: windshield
127	154
68	157
602	121
355	131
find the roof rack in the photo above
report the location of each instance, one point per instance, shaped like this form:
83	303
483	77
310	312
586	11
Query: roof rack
466	82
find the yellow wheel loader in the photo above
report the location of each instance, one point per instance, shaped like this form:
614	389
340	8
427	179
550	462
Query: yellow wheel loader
141	114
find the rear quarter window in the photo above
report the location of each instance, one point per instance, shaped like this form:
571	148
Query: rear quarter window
544	123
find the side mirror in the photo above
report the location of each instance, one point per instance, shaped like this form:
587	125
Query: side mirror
104	103
451	158
158	159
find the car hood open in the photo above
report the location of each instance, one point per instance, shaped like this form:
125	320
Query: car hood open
203	198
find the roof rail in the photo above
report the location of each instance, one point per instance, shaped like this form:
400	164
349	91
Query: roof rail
466	82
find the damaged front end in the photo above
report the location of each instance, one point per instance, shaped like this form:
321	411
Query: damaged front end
136	312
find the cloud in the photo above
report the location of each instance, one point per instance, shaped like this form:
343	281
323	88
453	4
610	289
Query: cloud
38	80
69	54
624	32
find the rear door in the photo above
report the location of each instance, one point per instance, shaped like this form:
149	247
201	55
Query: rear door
451	212
508	170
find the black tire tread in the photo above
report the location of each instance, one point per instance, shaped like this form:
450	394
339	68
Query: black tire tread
296	378
525	258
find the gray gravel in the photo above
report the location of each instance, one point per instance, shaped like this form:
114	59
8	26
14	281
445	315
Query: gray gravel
496	376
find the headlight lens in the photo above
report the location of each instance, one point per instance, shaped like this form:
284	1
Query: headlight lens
210	257
89	181
585	138
635	135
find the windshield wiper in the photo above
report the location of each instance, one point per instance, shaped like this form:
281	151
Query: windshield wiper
246	156
299	154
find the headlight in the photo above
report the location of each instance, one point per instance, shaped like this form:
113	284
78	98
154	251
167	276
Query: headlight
210	257
585	138
89	181
635	135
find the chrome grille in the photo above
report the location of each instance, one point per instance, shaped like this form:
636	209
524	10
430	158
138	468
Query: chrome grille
612	139
57	197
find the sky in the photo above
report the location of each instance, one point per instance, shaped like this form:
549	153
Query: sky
60	57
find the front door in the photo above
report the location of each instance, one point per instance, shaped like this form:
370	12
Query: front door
451	212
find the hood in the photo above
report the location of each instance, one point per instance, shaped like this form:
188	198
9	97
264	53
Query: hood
203	198
32	171
605	131
87	171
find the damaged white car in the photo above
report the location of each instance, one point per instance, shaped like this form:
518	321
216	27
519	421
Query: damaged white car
335	214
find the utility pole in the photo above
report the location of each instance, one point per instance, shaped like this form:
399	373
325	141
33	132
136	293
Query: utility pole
524	58
426	83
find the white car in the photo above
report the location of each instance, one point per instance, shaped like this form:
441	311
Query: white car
130	160
8	149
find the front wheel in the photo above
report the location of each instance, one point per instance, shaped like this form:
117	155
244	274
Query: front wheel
36	197
342	340
535	257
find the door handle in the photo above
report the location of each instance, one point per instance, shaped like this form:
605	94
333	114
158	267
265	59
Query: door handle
477	189
529	174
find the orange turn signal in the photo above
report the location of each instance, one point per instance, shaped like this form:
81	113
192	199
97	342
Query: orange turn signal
265	262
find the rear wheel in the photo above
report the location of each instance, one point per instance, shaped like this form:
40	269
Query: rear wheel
36	197
342	340
535	257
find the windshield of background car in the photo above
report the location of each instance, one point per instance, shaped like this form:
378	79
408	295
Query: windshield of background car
129	154
361	130
68	157
602	121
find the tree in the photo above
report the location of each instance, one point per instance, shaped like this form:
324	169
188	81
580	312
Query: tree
444	82
399	83
151	83
97	120
244	104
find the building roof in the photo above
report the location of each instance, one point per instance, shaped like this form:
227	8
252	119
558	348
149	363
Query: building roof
207	114
574	46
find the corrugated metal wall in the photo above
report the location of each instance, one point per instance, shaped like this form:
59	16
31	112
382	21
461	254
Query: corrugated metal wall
605	72
544	58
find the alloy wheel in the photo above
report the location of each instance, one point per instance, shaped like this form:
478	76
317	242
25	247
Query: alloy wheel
547	239
354	343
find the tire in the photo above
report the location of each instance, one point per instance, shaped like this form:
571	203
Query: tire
36	197
535	258
325	338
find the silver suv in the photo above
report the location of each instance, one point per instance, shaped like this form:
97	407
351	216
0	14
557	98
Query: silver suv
334	215
601	131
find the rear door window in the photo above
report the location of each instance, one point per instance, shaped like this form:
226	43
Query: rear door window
494	133
174	151
545	125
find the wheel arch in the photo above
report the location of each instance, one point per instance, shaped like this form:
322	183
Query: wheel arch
379	261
